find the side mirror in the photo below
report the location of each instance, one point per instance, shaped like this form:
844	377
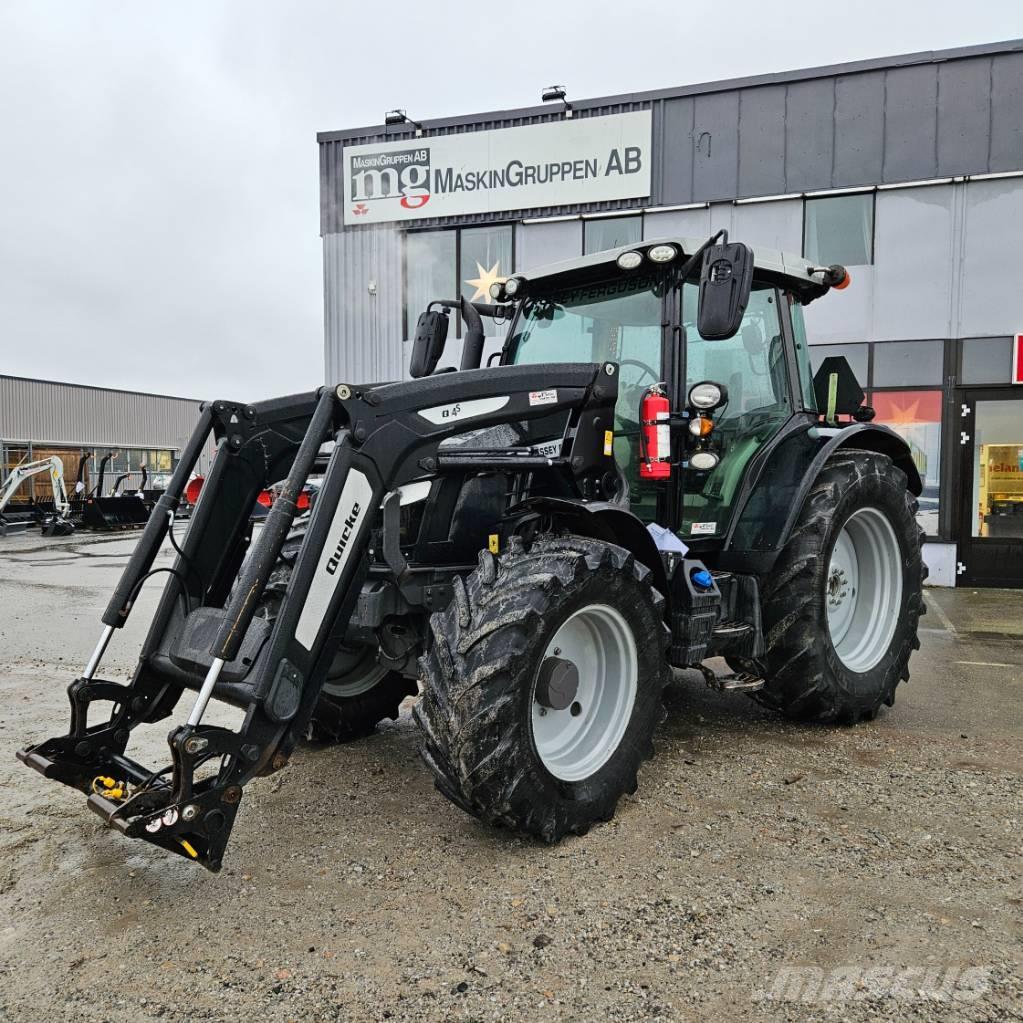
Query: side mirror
428	345
726	280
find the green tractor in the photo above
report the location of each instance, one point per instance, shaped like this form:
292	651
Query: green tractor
645	476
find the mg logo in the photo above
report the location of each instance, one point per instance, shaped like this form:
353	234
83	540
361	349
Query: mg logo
402	175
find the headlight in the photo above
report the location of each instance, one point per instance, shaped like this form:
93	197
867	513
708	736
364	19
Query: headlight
662	253
707	395
512	285
703	460
630	260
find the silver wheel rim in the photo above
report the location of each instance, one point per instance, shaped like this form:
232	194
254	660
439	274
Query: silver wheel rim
354	672
863	589
576	742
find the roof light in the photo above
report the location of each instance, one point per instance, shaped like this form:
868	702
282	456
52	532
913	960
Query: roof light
662	253
511	286
629	260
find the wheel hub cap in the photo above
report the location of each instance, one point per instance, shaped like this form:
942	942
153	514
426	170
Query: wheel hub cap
584	692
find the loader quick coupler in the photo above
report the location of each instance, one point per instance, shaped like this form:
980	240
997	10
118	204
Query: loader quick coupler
206	635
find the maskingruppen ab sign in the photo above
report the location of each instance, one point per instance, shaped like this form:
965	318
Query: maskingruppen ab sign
558	163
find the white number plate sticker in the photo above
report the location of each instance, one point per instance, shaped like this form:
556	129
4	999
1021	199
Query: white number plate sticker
703	528
543	397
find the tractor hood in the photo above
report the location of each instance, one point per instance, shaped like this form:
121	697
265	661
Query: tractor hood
781	268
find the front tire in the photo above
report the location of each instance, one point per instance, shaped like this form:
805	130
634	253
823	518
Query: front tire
504	742
841	609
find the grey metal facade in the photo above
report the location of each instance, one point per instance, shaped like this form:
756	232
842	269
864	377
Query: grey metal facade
870	124
919	116
47	412
935	140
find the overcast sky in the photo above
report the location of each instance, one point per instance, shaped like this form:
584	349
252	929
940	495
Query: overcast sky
158	169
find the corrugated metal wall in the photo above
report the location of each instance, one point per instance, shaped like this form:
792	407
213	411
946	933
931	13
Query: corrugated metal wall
362	284
46	412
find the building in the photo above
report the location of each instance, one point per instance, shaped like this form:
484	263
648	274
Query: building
909	170
81	425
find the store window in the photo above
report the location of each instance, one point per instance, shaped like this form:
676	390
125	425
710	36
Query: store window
485	258
611	233
429	272
446	264
998	470
987	360
916	417
839	229
908	363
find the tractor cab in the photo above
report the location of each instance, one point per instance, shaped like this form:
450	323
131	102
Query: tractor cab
734	370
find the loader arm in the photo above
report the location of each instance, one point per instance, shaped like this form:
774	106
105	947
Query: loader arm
205	636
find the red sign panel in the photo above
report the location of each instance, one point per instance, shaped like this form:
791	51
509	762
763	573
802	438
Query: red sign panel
1017	359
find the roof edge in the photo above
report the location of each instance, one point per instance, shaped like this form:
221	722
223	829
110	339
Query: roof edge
96	387
720	85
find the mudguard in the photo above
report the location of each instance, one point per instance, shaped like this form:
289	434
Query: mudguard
602	520
782	482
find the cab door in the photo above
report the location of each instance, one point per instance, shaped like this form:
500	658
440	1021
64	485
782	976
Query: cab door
755	370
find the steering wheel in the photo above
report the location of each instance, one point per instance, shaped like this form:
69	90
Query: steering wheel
649	370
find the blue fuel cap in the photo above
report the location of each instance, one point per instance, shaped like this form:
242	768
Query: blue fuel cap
702	579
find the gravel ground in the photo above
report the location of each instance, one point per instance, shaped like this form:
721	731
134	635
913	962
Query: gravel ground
353	891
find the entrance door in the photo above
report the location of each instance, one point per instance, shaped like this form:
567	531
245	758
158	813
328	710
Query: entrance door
991	513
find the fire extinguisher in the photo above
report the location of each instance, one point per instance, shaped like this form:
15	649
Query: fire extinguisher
655	435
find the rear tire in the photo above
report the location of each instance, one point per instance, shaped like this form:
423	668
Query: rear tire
494	749
841	608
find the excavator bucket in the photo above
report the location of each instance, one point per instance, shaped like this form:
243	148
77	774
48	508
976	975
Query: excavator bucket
112	513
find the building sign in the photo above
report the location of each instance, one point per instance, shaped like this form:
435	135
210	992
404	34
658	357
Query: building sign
582	160
1017	359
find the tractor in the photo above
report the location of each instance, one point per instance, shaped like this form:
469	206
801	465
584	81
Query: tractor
646	475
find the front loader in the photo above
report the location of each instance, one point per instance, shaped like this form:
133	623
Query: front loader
537	544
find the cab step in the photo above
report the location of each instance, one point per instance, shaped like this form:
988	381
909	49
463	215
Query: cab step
739	682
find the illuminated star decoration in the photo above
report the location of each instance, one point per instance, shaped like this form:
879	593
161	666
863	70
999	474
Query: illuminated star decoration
485	279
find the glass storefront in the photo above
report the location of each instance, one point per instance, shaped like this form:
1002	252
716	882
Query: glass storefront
916	417
997	485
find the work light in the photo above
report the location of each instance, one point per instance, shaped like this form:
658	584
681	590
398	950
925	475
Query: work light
662	253
703	460
706	395
630	260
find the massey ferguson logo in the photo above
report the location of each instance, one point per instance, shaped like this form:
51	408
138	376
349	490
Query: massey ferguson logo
334	561
403	175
